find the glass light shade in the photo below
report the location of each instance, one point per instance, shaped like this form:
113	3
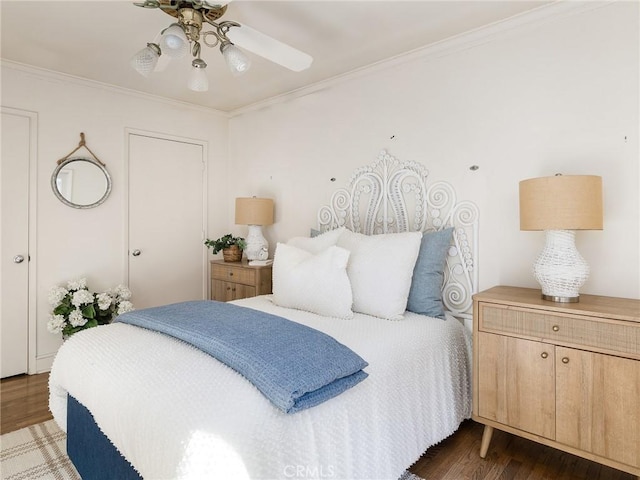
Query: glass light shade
173	41
163	63
237	61
144	62
198	80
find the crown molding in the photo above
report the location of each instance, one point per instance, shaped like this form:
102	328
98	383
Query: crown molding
487	33
66	78
498	30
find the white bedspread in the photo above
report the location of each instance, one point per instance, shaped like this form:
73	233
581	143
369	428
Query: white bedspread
176	413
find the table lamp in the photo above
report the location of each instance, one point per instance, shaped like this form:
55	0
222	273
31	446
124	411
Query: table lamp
255	212
559	205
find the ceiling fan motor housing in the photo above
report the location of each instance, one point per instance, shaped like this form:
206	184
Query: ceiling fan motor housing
191	20
210	12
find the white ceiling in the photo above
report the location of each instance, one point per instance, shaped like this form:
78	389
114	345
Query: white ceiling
96	39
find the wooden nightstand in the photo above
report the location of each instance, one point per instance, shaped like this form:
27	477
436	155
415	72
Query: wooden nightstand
236	280
564	375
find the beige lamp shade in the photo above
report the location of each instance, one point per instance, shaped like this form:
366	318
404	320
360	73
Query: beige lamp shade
562	202
254	211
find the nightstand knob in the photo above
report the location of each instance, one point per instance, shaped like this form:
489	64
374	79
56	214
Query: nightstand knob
544	354
565	359
231	274
555	328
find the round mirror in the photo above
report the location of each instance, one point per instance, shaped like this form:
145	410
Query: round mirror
81	182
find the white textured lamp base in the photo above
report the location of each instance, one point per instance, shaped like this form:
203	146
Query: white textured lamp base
560	269
257	245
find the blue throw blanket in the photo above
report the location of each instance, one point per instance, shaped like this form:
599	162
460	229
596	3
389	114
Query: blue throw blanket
294	366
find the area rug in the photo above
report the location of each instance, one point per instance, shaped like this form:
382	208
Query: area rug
36	452
39	452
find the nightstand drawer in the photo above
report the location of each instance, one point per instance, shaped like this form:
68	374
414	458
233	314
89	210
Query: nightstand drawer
228	273
234	281
227	291
606	336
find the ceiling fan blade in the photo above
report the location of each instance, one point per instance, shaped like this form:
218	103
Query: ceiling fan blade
269	48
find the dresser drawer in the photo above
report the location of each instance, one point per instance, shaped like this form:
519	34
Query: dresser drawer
234	274
606	336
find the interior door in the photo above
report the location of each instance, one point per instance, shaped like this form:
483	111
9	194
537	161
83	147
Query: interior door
14	244
167	257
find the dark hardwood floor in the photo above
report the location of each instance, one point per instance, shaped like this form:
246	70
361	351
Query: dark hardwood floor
509	458
24	401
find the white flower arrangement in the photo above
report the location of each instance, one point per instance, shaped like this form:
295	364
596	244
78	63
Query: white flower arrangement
75	308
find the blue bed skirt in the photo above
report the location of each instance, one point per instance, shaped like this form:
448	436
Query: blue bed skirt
92	453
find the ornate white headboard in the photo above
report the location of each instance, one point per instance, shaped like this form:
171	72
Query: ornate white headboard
393	196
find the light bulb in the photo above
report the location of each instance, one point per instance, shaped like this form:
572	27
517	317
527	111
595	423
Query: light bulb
145	61
198	80
237	61
173	41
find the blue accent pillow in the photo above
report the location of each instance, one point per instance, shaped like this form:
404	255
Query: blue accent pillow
425	296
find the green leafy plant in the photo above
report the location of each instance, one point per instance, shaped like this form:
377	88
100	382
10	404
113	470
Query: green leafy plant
226	241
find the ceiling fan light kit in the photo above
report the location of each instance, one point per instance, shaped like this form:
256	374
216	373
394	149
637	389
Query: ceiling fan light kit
186	35
236	60
146	60
198	80
174	41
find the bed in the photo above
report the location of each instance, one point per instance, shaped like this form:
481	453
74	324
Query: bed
162	409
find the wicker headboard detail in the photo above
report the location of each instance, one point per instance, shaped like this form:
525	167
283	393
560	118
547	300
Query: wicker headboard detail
393	196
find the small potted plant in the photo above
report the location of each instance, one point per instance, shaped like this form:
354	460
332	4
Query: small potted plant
231	247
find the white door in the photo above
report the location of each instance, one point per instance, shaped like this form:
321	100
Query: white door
14	244
167	257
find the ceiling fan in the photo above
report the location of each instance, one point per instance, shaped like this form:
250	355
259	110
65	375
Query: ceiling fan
186	35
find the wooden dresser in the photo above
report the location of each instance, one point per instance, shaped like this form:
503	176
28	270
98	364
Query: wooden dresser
564	375
236	280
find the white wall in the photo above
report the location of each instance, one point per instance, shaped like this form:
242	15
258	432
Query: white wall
561	96
91	243
558	96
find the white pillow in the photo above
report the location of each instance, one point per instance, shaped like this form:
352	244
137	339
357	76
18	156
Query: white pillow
380	270
318	243
314	283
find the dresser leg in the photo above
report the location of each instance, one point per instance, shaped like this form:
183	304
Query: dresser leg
486	440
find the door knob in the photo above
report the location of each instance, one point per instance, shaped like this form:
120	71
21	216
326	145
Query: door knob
136	253
18	259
